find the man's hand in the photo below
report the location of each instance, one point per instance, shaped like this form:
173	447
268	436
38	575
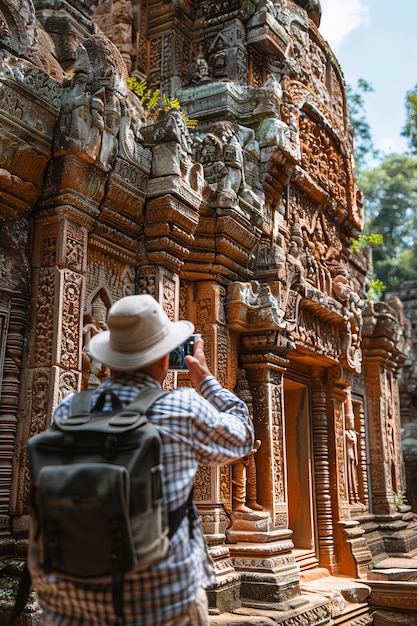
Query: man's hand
197	365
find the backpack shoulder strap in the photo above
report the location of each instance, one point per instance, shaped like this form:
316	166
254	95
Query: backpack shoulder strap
143	403
146	398
175	517
81	401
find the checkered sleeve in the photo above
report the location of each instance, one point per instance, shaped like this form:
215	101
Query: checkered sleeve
222	428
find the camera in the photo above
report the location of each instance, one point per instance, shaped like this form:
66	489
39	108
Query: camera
177	356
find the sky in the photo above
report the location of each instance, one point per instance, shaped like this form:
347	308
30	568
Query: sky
376	40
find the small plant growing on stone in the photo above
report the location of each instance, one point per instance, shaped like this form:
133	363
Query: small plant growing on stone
376	286
400	500
152	100
374	240
7	590
375	290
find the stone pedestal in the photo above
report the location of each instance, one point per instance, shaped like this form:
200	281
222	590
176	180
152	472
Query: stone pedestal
261	554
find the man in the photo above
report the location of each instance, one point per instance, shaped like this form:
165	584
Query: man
212	427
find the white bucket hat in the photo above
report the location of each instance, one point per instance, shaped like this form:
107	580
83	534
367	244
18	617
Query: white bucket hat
140	333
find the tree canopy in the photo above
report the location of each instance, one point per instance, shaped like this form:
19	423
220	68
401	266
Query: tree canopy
364	147
410	127
390	192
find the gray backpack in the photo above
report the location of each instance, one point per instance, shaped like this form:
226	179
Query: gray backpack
97	498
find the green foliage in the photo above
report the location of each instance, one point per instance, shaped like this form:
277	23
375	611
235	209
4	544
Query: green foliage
375	290
374	240
364	148
410	128
152	100
376	286
400	500
390	196
390	192
7	590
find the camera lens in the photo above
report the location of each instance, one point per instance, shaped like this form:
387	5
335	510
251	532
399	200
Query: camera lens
174	357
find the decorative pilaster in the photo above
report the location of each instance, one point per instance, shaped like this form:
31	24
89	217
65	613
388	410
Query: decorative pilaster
204	303
346	471
13	311
326	541
262	542
382	403
54	360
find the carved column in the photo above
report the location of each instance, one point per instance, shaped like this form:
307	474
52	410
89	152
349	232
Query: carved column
53	367
14	302
346	446
263	555
261	541
13	312
383	409
203	303
326	540
339	390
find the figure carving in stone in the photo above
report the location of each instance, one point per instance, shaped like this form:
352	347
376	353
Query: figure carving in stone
81	122
352	457
122	11
251	189
222	155
404	329
130	136
222	58
171	145
111	118
320	251
294	257
40	391
354	304
271	258
147	284
95	322
273	132
14	264
244	470
244	482
200	70
4	29
247	9
391	436
270	97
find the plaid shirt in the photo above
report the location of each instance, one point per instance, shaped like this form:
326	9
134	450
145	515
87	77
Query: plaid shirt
211	428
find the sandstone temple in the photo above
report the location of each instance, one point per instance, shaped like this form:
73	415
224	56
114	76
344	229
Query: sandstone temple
238	210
